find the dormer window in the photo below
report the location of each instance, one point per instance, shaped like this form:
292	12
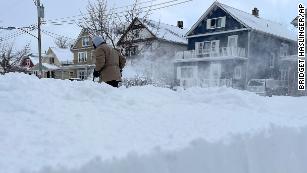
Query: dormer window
219	22
85	41
28	62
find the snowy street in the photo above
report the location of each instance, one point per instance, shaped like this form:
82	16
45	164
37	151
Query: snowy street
62	126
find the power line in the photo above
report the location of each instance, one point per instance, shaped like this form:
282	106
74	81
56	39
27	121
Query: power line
81	15
121	12
54	35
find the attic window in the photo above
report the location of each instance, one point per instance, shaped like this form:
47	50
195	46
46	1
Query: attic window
219	22
85	41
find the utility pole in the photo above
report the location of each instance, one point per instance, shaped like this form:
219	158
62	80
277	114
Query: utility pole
40	15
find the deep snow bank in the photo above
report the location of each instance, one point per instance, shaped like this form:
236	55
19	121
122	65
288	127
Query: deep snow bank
61	123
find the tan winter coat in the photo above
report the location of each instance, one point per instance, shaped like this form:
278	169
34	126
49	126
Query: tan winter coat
110	61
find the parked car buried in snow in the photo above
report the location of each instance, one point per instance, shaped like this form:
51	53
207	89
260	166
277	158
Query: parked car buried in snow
267	87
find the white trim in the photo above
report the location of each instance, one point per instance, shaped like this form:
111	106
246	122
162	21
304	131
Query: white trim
216	33
237	72
81	73
82	40
272	59
210	59
223	20
85	56
233	36
216	3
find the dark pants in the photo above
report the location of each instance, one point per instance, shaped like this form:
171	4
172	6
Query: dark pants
113	83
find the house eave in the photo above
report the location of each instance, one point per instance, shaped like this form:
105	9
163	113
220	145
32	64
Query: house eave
210	59
216	33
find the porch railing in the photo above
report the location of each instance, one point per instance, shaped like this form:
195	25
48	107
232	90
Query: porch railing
215	82
221	52
205	83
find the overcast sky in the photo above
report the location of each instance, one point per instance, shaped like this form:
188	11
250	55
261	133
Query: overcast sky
20	13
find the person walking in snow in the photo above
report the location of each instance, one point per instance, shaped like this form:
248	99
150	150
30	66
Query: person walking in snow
109	62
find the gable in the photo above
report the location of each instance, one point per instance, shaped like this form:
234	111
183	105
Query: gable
78	43
136	28
215	19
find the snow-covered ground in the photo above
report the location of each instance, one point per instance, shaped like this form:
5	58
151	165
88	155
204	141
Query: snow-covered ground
54	126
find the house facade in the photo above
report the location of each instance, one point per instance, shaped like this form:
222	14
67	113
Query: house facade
28	62
227	46
62	58
151	36
288	68
83	59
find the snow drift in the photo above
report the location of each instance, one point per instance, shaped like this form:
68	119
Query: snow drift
51	126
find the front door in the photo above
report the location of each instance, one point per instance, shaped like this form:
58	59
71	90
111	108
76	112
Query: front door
187	76
215	74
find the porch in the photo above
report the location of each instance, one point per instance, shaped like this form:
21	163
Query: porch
212	54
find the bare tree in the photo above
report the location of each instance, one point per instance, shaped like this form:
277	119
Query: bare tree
105	21
99	20
10	59
62	42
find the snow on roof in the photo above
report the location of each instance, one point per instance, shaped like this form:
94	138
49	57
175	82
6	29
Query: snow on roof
63	55
166	32
253	22
261	24
50	66
34	59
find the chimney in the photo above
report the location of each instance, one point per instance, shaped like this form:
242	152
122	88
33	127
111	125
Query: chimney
255	12
180	24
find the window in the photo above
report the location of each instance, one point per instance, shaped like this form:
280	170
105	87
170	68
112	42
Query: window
130	51
284	49
85	41
28	62
238	72
82	74
207	47
284	75
82	56
199	46
51	60
219	22
271	60
71	74
186	72
233	41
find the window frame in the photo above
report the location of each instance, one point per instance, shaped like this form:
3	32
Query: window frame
85	43
237	72
82	59
82	74
217	19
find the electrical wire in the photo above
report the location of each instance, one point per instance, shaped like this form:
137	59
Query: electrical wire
54	35
74	21
112	9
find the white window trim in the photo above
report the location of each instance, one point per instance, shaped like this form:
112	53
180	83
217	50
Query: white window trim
82	40
233	36
79	74
223	22
85	56
210	50
236	74
273	60
282	50
284	76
